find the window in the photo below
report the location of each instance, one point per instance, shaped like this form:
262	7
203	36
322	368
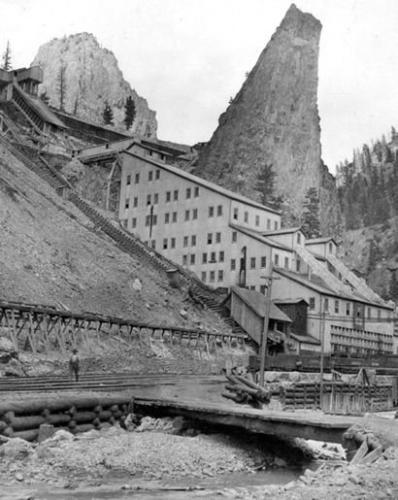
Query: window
154	220
153	244
204	258
252	262
184	260
168	196
196	192
347	308
209	238
211	211
326	303
263	261
246	217
155	198
336	306
233	264
157	174
150	175
220	275
330	248
194	213
219	210
213	257
137	178
166	218
212	276
298	238
298	265
165	244
188	193
236	214
173	243
268	224
218	237
193	240
128	180
133	222
176	195
369	312
221	257
136	201
125	222
286	263
148	220
378	314
276	259
263	289
204	276
192	259
252	287
185	244
148	199
234	236
312	302
174	216
127	203
276	225
257	222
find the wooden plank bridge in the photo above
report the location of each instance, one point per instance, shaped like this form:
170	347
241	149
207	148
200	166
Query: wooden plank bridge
43	328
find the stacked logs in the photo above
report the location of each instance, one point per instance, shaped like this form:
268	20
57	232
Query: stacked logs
76	415
244	391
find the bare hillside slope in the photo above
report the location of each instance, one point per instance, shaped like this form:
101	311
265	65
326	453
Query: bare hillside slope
50	253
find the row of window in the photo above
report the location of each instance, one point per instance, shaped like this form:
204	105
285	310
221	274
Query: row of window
151	176
212	211
336	308
212	276
235	216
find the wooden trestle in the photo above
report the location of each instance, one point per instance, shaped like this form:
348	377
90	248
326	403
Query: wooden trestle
43	328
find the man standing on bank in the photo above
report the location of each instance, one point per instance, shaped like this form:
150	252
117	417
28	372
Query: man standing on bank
74	365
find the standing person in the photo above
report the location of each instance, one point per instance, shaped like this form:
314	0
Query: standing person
74	365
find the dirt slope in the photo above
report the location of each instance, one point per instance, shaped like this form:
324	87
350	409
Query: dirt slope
50	253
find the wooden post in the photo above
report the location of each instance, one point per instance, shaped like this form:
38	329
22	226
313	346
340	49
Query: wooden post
322	332
264	337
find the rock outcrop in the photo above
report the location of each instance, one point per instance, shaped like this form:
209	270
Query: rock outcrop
91	78
273	120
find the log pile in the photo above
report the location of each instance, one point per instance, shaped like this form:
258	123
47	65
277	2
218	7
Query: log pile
244	391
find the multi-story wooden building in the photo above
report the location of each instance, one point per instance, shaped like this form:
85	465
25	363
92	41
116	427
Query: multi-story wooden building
227	239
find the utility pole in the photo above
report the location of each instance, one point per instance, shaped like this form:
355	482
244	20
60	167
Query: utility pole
264	337
322	334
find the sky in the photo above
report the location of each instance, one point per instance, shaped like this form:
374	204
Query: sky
188	57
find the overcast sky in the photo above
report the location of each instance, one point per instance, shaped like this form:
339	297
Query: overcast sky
188	57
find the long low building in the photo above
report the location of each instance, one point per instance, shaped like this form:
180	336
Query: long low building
227	239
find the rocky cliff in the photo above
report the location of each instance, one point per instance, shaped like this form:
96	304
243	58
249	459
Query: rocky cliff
273	120
91	78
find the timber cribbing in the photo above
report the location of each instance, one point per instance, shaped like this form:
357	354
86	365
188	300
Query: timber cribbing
39	327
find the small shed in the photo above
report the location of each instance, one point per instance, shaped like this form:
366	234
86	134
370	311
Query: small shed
248	310
296	309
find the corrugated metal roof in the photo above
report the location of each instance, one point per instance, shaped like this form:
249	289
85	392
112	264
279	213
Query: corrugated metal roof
256	301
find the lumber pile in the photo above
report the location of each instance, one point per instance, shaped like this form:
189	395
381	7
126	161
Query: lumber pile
244	391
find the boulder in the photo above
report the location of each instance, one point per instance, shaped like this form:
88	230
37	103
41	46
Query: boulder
16	448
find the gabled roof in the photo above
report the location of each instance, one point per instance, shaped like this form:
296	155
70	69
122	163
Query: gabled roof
286	230
317	241
256	301
290	301
305	339
257	236
317	284
201	182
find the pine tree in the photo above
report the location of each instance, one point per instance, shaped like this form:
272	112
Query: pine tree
310	217
265	183
107	114
129	112
7	58
61	81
